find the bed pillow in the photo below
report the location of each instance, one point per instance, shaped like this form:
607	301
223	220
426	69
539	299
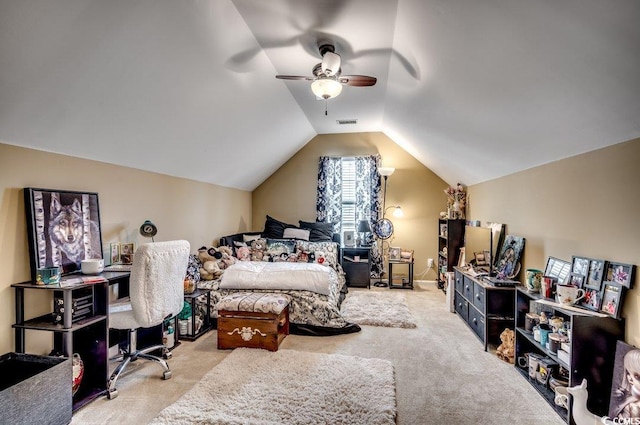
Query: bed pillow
281	250
250	237
325	253
291	233
275	228
319	231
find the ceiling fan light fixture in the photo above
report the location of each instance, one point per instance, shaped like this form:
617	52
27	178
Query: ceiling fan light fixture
326	88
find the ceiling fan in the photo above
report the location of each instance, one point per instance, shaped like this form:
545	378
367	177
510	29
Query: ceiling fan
327	80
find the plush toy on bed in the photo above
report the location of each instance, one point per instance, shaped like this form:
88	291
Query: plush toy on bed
243	253
224	255
258	249
209	270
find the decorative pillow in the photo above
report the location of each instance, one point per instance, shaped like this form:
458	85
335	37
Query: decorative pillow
193	268
318	252
319	231
291	233
248	238
274	228
281	249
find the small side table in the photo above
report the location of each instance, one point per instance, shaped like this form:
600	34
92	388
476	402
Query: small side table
408	284
206	323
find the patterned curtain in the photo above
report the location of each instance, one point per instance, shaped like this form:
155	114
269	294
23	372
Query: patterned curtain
329	197
368	197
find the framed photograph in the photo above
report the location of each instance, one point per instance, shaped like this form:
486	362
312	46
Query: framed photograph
612	299
595	275
579	265
395	253
623	404
114	253
620	273
560	269
349	238
443	230
482	258
126	253
63	228
576	280
508	265
592	299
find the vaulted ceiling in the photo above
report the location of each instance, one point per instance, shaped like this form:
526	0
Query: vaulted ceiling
473	89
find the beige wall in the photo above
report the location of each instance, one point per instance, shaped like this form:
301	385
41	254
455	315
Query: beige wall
587	205
182	209
290	193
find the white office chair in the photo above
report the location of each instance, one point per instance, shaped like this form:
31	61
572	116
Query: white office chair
156	292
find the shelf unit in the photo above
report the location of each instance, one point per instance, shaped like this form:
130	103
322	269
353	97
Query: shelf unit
591	355
485	308
192	298
88	337
450	240
356	263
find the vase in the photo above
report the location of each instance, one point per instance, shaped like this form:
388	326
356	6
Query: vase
533	280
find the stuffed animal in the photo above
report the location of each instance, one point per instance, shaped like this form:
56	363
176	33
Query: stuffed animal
243	253
506	350
320	257
258	249
210	270
224	255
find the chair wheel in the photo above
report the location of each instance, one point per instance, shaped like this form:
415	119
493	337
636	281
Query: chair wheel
167	355
166	375
112	394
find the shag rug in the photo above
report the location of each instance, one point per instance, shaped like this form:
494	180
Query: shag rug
377	308
252	386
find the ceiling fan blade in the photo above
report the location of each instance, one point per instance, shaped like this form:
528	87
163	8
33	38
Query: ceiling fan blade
357	80
330	63
295	77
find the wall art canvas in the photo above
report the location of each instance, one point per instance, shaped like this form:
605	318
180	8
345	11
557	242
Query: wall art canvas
624	404
63	228
509	258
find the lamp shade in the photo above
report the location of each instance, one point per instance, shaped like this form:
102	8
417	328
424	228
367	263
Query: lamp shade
398	212
326	88
363	226
386	171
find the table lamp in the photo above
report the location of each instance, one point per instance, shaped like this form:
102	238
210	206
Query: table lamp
364	227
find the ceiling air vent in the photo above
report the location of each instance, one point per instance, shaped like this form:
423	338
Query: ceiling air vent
347	122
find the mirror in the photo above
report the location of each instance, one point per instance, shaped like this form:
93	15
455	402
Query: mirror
482	241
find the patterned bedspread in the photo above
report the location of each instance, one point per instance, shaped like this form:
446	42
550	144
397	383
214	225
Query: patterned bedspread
306	308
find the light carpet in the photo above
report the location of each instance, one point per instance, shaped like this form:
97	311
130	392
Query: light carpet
378	308
252	386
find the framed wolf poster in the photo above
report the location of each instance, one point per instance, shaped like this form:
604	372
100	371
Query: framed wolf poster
63	228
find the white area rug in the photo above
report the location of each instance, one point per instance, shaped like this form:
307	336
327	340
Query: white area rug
377	308
252	386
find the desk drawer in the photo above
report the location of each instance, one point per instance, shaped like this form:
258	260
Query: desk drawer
468	288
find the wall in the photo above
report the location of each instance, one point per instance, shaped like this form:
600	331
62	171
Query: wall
182	209
290	193
586	205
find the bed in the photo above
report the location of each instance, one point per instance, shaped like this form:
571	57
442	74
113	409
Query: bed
307	272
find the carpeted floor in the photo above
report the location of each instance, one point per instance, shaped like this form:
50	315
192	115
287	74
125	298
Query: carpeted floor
260	387
442	373
378	308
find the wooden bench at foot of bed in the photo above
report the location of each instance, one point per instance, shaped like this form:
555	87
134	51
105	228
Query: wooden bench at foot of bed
253	320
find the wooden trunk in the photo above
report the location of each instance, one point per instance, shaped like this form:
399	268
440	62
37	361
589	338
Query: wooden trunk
252	330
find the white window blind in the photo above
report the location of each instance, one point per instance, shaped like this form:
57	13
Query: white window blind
349	194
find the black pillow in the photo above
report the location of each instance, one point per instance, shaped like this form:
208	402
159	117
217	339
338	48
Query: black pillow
318	231
274	229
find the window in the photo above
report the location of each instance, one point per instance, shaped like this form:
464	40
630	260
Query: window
349	213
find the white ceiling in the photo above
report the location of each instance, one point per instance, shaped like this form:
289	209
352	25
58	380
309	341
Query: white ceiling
474	90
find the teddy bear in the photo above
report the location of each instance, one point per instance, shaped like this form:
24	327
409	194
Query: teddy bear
505	351
243	253
258	249
224	255
210	269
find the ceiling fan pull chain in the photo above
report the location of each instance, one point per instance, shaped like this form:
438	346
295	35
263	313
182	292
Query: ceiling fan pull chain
325	107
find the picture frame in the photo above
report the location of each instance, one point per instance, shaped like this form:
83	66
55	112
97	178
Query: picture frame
114	253
349	238
579	265
620	407
126	253
592	299
620	273
443	230
612	298
508	265
63	228
560	269
595	274
483	258
395	253
576	280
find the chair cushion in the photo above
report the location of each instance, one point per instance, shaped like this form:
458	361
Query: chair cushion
121	315
254	302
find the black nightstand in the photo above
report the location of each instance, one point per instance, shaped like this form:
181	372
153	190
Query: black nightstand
192	332
356	263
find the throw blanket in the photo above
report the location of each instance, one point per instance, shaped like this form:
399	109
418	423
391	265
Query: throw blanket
252	275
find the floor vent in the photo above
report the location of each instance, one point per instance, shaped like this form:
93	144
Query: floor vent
346	122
